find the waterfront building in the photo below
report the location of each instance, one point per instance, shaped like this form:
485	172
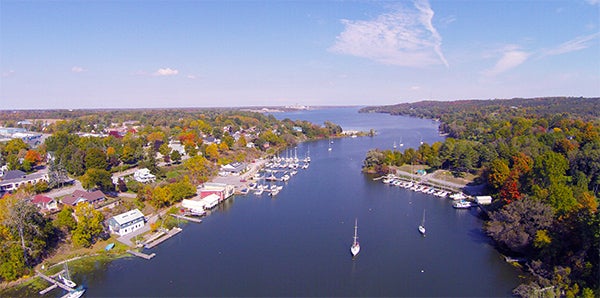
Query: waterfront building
210	201
127	222
234	169
222	190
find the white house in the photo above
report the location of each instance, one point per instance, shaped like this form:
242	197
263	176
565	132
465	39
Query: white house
127	222
144	176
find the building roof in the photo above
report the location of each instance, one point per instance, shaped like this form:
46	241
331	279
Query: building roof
37	199
14	174
80	196
128	216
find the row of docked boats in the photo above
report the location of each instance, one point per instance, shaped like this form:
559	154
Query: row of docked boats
461	200
276	170
414	186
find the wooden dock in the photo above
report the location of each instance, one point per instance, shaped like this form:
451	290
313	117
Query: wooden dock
196	220
55	283
141	254
171	233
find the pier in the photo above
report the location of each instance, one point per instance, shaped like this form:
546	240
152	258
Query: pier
192	219
171	233
55	283
141	254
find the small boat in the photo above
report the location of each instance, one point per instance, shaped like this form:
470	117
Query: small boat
66	279
462	204
422	226
355	248
109	246
76	293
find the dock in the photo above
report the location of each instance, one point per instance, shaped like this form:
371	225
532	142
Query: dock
171	233
55	283
141	254
192	219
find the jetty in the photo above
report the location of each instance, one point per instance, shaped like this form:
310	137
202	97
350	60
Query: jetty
141	254
55	283
192	219
168	235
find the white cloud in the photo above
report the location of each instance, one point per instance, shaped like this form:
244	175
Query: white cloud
415	88
593	2
511	57
576	44
7	74
166	72
403	37
77	69
191	77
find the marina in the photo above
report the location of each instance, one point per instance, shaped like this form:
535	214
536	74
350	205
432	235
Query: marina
255	242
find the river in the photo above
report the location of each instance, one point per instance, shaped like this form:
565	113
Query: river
297	244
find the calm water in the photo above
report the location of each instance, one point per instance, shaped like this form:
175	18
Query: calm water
297	244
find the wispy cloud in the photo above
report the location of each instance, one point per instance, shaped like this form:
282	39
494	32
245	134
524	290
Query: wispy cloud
9	73
576	44
510	57
191	77
77	69
593	2
403	37
165	72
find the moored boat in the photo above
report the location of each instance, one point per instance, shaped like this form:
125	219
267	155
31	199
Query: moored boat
355	248
462	204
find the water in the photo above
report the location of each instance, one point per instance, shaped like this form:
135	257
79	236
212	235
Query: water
298	243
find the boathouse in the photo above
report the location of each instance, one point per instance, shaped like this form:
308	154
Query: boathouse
222	190
127	222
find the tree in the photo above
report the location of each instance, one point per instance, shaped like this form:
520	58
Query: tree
498	173
64	219
199	169
212	152
97	178
25	224
33	157
182	189
175	156
95	158
515	226
89	225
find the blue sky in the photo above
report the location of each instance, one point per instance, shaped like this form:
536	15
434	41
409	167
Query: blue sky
138	54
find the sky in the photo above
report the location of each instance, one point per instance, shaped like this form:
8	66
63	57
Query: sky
155	54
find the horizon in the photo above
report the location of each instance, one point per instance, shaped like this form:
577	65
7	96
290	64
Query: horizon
211	54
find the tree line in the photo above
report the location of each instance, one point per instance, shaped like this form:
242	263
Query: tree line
540	160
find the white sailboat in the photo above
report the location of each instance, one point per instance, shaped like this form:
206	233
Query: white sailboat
422	226
66	279
329	145
355	248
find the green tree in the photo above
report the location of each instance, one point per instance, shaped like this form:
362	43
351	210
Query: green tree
95	158
89	225
97	178
65	220
498	173
175	156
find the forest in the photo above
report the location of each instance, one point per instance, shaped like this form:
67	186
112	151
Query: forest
91	145
540	160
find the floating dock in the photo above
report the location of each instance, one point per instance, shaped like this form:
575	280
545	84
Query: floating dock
141	254
55	283
192	219
171	233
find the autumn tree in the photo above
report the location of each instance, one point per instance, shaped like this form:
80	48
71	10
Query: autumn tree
89	225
